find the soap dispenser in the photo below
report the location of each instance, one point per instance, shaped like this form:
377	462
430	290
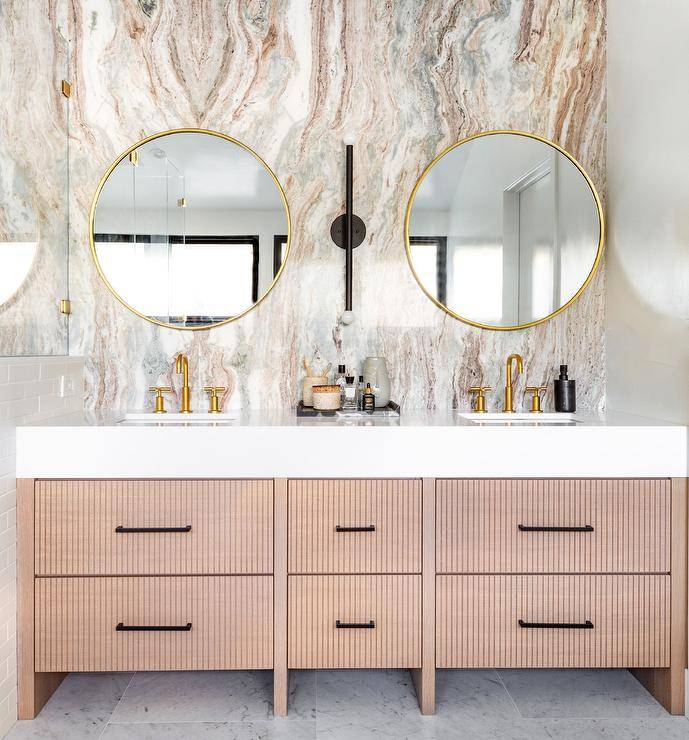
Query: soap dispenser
565	392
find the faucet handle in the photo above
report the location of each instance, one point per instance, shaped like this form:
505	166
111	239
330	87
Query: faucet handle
535	391
213	391
160	401
480	391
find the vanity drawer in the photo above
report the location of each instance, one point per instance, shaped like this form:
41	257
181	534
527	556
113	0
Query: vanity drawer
231	620
478	621
379	622
355	526
487	526
223	526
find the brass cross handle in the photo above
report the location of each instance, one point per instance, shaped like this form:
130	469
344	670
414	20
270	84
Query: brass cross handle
480	391
213	391
536	390
160	401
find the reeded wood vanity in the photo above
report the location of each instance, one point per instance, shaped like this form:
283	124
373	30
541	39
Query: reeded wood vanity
413	573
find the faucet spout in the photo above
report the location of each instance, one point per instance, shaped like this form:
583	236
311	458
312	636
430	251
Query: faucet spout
509	399
182	367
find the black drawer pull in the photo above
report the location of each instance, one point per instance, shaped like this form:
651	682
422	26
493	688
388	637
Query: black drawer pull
587	625
129	530
527	528
121	627
355	625
369	528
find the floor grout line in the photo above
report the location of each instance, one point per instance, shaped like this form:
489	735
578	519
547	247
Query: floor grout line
119	701
509	696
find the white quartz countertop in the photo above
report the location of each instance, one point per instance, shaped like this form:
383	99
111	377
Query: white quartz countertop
420	443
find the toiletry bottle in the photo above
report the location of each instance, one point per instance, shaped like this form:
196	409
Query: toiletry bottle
361	389
340	379
565	392
369	400
349	394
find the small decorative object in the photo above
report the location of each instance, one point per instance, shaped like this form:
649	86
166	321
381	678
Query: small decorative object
369	401
376	374
316	374
327	397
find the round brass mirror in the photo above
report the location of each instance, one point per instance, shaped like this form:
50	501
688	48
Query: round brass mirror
504	230
190	229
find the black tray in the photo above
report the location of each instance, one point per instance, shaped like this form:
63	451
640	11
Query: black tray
392	410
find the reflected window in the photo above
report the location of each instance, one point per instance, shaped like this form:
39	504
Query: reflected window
226	265
279	252
429	254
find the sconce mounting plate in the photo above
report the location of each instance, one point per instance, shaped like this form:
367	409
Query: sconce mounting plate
337	231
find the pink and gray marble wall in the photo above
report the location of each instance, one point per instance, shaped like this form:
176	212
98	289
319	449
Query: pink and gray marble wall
289	78
34	171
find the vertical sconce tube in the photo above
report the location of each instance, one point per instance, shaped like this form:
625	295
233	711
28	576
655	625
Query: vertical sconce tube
349	229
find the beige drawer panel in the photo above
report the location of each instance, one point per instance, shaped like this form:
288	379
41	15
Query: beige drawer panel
391	603
231	527
231	623
477	525
317	508
478	621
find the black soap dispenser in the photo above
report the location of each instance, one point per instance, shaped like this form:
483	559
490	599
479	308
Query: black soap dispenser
565	392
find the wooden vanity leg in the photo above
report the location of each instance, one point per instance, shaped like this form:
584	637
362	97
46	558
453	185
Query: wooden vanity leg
424	677
280	672
667	684
34	689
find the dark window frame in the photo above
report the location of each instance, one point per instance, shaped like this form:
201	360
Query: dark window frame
278	241
441	262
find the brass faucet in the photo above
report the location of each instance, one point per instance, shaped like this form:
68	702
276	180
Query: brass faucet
509	402
182	366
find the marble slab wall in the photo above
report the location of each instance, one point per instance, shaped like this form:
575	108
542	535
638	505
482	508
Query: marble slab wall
289	78
34	172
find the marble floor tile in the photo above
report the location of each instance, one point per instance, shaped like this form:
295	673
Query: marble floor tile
211	696
80	708
475	693
279	729
579	693
664	728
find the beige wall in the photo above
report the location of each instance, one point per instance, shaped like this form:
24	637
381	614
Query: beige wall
647	302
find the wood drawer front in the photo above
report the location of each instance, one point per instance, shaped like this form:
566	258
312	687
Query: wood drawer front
231	527
392	602
231	618
318	507
477	525
477	621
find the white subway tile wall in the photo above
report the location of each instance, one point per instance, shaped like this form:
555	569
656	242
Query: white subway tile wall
31	389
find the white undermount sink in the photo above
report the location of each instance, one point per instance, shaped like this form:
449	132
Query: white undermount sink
176	418
519	418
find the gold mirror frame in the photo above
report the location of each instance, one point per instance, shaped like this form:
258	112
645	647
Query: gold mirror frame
601	221
124	155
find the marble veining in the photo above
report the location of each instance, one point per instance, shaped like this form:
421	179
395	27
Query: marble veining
33	171
409	77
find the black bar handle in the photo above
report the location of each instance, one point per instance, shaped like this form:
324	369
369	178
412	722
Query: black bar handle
355	625
129	530
587	625
369	528
121	627
528	528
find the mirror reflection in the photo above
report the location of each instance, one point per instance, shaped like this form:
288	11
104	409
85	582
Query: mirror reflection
190	229
504	230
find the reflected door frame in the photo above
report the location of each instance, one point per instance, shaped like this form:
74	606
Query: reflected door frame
514	295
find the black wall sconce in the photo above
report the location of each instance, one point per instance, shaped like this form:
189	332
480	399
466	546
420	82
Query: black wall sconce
348	231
